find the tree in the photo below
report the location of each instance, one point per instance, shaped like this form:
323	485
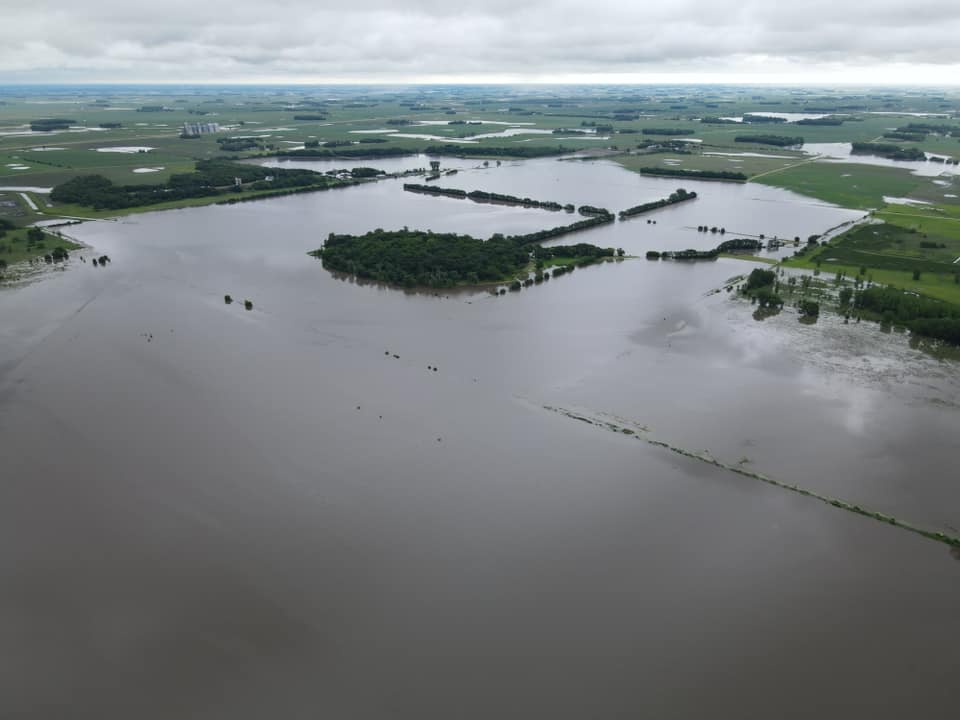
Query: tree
846	294
809	308
760	278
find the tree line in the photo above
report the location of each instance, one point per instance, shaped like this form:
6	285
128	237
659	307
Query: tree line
699	174
679	195
48	124
776	140
922	315
888	150
483	196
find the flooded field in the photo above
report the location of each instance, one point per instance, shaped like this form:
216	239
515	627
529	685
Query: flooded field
286	512
843	152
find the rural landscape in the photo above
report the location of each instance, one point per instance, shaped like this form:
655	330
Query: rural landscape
307	387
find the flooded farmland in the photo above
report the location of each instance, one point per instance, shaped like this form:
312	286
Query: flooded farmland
287	512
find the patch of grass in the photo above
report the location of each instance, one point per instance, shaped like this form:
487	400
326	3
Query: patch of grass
751	258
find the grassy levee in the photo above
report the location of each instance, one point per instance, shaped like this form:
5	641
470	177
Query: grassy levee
638	432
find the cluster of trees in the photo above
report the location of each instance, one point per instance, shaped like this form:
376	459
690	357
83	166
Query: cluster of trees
699	174
809	309
888	150
400	122
761	287
777	140
739	244
718	121
679	195
759	278
48	124
211	177
417	258
411	258
593	211
310	116
111	125
237	144
665	131
724	247
924	316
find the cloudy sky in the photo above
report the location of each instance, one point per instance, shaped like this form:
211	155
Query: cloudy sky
317	41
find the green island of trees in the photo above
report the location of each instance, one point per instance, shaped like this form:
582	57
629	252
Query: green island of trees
211	178
678	196
482	196
726	175
776	140
888	150
412	258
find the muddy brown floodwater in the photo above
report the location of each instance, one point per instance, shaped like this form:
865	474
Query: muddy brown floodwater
208	512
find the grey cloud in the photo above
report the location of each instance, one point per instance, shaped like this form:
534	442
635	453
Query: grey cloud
378	40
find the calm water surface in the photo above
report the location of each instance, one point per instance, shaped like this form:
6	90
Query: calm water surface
213	513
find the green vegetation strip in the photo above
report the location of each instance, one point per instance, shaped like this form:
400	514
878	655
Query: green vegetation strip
950	540
723	175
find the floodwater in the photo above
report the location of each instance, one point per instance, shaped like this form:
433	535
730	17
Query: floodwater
789	117
219	513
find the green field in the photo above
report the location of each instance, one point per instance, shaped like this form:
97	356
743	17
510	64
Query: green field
274	119
846	184
892	254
